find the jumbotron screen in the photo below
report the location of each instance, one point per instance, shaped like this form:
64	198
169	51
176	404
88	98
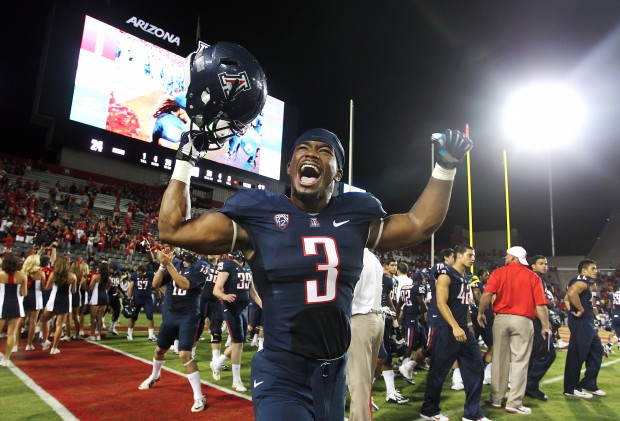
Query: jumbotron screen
131	87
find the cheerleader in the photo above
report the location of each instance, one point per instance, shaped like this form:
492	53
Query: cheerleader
13	288
33	302
99	286
63	284
77	299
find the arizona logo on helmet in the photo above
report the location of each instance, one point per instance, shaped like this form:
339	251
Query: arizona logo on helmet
234	83
281	220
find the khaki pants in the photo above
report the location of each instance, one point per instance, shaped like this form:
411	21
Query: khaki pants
366	338
512	346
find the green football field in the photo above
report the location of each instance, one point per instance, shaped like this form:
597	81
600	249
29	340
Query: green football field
19	402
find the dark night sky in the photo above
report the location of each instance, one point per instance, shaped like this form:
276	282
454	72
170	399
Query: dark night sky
412	68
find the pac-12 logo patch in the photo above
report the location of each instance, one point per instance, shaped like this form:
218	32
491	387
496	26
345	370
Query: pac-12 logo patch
234	83
282	220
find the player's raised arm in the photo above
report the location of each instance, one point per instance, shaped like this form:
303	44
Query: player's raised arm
217	112
428	212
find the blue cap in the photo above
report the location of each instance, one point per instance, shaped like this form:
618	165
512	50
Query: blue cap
181	100
325	136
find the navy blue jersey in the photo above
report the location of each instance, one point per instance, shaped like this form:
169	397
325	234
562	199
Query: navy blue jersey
207	291
458	297
409	298
615	297
387	288
167	280
585	298
305	266
186	300
142	284
238	282
115	281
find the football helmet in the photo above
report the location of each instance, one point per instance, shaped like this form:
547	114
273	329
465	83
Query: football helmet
129	311
226	90
237	255
188	255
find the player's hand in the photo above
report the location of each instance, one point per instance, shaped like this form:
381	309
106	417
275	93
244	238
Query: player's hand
191	148
482	320
230	298
577	313
451	147
163	258
459	334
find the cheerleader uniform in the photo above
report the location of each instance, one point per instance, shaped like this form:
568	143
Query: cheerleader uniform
60	299
34	299
77	299
11	300
99	295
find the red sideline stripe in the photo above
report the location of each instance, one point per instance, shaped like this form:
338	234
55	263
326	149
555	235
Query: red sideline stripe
94	383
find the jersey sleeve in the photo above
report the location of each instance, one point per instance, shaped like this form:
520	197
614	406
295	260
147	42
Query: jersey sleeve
242	205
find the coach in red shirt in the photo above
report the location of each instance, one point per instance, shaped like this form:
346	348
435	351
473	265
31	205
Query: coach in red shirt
519	297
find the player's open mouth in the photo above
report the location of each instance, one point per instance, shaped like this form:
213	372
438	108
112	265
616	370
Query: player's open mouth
309	174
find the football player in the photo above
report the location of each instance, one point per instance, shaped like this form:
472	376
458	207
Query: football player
234	287
305	250
180	321
451	338
141	293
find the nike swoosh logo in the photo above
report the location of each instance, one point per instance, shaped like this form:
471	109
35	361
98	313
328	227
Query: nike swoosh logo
337	224
256	384
434	315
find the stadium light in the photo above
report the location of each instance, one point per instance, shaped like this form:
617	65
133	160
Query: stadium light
544	114
547	115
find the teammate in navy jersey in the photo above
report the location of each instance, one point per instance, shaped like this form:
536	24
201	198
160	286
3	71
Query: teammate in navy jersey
141	292
451	338
411	298
234	286
211	310
180	320
585	344
305	251
255	324
114	295
615	315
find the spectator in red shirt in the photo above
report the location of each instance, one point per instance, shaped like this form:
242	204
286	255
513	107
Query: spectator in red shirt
519	298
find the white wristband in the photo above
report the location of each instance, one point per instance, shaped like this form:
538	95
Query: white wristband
182	171
440	173
162	266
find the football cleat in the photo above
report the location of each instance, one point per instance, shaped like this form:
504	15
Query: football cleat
457	386
597	392
130	336
523	410
148	383
199	404
396	397
438	417
374	406
239	387
215	370
578	394
152	339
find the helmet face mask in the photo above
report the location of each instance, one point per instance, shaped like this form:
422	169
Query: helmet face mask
227	89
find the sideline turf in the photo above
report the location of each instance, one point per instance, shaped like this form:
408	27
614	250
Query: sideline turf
13	394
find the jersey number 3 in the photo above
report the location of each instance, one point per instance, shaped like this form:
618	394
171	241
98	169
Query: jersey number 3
330	267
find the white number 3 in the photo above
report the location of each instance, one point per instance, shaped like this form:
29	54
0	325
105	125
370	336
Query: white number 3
330	267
